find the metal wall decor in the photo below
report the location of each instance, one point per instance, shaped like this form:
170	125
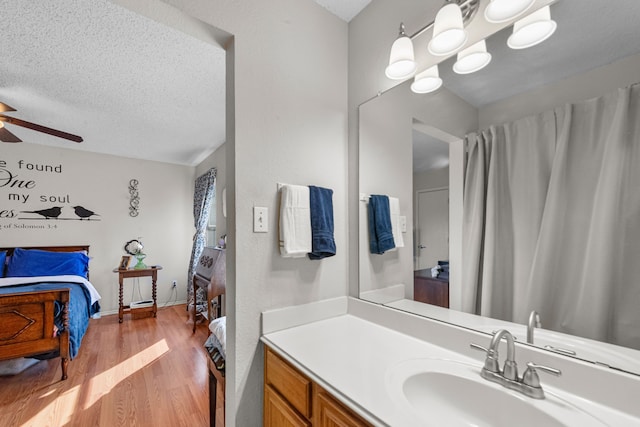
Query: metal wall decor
134	203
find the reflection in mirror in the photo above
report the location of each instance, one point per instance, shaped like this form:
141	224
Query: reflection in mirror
587	294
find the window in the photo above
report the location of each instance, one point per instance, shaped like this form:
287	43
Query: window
211	225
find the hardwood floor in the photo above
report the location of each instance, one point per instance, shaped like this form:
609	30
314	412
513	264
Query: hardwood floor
144	372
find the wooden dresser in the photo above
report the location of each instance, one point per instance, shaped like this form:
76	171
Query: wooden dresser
291	399
430	290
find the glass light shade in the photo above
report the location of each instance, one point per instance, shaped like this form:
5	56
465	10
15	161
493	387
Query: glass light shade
427	81
505	10
532	30
472	59
448	31
402	62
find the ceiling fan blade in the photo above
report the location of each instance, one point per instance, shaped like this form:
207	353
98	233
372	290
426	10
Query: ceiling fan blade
5	108
6	136
40	128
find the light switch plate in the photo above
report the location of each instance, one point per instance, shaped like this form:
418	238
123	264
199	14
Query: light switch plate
403	223
260	219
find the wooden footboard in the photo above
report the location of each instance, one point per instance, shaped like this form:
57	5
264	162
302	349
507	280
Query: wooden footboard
27	325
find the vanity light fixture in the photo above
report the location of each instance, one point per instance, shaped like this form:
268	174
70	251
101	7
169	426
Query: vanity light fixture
427	81
402	62
449	34
532	29
505	10
472	59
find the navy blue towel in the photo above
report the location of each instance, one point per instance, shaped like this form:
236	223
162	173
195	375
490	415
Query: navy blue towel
380	232
323	244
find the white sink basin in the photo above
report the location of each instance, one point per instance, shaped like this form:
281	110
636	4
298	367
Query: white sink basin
441	392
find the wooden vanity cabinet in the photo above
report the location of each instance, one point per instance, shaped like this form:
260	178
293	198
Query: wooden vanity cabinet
331	413
292	399
430	290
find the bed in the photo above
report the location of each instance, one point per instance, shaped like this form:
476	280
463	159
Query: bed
46	301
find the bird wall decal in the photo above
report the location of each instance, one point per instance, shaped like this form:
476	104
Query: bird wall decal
84	212
53	212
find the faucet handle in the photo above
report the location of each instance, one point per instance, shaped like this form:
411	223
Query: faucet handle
530	376
491	362
478	347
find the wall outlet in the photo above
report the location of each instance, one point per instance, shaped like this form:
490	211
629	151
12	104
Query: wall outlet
174	284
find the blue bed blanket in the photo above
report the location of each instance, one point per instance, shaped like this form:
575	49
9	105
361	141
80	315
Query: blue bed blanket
80	309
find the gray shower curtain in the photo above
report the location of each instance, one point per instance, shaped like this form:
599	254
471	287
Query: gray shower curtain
552	219
203	194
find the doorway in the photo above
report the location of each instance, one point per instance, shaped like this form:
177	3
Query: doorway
432	228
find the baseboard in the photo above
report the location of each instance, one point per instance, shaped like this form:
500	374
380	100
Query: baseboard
160	305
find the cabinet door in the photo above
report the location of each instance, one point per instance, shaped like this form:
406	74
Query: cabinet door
294	387
331	413
278	413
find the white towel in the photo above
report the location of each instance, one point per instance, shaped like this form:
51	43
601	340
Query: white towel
394	210
295	221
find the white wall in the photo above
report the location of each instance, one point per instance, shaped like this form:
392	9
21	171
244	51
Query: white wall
591	84
287	122
100	183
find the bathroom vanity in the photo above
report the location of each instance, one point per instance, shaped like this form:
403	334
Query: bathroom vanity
291	398
365	364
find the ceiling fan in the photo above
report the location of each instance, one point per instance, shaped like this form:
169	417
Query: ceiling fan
6	136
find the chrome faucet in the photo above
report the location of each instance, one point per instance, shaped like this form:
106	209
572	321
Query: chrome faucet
534	322
528	385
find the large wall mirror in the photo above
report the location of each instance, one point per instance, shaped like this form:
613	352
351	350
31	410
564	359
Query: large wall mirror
449	159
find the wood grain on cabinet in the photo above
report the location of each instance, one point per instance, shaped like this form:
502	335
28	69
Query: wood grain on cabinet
278	413
331	413
430	290
291	384
291	399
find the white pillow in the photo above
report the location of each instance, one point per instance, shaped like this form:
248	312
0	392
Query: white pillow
218	327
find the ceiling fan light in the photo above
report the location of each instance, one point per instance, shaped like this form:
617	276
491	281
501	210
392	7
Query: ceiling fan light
532	30
427	81
449	34
472	59
505	10
402	62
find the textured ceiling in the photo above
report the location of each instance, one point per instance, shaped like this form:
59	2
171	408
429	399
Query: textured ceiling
344	9
128	85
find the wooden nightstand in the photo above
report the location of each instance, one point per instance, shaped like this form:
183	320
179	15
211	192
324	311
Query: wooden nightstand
131	273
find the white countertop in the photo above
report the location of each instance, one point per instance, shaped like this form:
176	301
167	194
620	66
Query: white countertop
351	357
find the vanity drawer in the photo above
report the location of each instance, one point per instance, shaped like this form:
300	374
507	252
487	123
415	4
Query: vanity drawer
291	384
